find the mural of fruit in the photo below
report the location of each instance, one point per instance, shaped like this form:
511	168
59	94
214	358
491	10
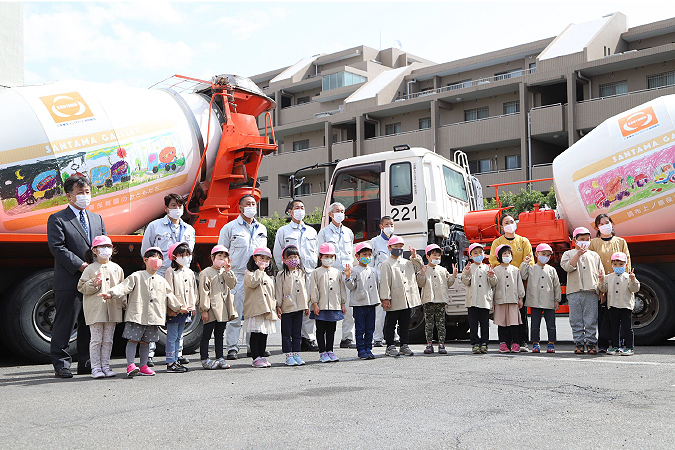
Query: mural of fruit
121	153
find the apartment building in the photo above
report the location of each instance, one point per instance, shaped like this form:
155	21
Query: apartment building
512	110
11	44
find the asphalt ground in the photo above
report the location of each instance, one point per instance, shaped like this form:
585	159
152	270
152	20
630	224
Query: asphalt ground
457	400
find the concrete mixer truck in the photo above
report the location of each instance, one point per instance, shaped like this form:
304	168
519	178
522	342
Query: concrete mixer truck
624	168
193	137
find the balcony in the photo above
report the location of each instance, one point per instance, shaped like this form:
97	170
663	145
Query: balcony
500	176
548	119
591	113
542	171
343	150
416	138
479	132
298	113
290	161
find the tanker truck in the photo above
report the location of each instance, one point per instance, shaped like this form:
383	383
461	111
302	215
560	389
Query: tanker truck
624	168
193	137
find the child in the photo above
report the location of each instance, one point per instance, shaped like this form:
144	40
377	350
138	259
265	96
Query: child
620	302
508	299
292	302
260	305
435	282
184	285
543	294
216	304
327	296
362	282
399	294
582	267
101	315
149	296
480	279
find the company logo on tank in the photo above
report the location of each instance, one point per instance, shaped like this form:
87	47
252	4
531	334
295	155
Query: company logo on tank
638	121
67	107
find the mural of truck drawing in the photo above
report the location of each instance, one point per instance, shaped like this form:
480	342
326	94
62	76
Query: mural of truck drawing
28	184
168	160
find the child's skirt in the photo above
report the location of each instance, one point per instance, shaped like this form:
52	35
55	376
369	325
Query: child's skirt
507	314
259	324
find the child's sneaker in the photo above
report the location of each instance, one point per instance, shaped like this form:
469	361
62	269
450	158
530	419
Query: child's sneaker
503	348
258	362
370	354
441	349
579	350
363	354
174	367
391	351
515	348
613	351
523	348
108	372
430	349
298	359
483	349
536	348
405	350
550	348
592	350
602	350
266	362
627	352
209	364
475	349
290	360
132	370
324	358
333	357
97	373
146	371
222	364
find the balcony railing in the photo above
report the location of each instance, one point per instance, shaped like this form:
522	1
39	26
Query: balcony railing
329	113
478	120
302	195
627	93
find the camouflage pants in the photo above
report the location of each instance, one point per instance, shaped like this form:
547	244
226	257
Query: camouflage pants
434	314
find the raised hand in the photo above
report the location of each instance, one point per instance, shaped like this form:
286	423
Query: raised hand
527	259
467	268
227	266
632	275
98	279
424	269
491	271
601	276
454	270
348	272
413	252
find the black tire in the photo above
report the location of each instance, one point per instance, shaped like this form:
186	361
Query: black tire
416	334
28	315
155	169
191	337
654	312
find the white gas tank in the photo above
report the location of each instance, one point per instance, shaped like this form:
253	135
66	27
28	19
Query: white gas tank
135	145
624	168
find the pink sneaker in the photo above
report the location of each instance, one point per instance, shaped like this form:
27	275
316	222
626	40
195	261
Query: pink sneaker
503	347
259	362
515	348
132	370
145	370
267	363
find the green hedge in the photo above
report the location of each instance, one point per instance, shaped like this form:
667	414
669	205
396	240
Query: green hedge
275	222
523	201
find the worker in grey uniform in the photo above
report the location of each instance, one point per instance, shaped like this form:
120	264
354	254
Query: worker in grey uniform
241	236
303	236
380	244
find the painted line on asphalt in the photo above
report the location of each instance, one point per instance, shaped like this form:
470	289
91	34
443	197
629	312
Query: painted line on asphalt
607	361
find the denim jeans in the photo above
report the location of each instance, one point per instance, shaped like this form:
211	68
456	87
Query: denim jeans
583	316
364	322
549	317
174	332
291	331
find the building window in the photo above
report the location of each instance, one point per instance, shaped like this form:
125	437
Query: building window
509	74
533	67
400	185
341	79
617	88
263	179
263	206
300	145
425	123
459	85
392	128
302	100
475	114
303	189
512	107
513	162
335	138
660	80
480	166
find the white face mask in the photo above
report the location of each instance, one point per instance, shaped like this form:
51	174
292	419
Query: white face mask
176	213
82	200
298	214
543	259
507	259
389	231
338	217
583	244
435	262
184	260
249	211
510	228
327	262
105	252
606	228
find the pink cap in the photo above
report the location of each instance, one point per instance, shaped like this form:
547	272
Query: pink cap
544	247
396	240
499	247
100	240
157	249
219	248
361	245
172	248
580	230
431	247
474	245
327	249
263	251
619	256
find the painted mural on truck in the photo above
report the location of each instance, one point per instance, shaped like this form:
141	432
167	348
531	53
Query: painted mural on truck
38	184
621	186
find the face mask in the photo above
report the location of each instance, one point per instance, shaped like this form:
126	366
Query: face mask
507	259
176	213
478	259
619	270
249	211
82	200
606	228
435	262
327	262
543	259
298	214
292	263
263	264
583	244
510	228
154	263
218	263
365	260
396	252
389	231
184	261
338	217
105	252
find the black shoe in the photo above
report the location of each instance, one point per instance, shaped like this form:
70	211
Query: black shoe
347	343
150	363
308	345
63	373
86	370
248	353
377	344
175	367
232	355
183	360
267	353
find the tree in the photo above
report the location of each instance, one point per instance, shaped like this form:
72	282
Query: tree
523	201
273	223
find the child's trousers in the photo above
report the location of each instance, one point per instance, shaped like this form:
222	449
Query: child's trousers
402	317
549	317
434	314
583	317
100	346
479	317
621	323
364	324
218	330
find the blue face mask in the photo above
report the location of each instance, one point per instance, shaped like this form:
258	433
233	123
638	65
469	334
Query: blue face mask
619	270
478	259
365	260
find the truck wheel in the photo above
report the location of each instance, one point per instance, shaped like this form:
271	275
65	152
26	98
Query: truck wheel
653	320
29	316
416	333
191	336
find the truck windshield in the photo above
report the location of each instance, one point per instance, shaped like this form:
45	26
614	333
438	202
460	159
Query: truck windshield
353	185
454	184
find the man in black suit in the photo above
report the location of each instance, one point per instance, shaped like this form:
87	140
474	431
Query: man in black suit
69	234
